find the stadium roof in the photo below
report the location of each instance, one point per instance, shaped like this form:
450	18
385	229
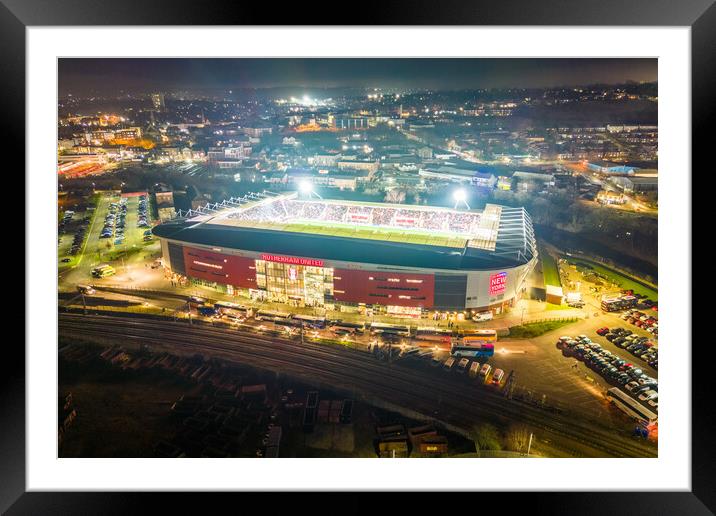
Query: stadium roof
498	236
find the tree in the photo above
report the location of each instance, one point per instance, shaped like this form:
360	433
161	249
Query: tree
486	437
541	211
518	438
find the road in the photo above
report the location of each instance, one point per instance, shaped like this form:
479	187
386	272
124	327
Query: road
541	370
442	398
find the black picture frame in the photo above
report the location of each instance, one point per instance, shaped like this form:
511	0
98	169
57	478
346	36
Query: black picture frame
699	15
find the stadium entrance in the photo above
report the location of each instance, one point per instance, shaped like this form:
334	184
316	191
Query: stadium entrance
295	284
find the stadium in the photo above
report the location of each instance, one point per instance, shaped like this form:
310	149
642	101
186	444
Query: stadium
349	255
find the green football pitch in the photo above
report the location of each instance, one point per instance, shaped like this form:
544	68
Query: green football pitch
365	232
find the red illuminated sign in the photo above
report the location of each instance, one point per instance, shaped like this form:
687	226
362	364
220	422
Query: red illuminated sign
311	262
498	283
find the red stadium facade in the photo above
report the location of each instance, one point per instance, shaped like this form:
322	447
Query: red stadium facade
306	281
371	287
220	268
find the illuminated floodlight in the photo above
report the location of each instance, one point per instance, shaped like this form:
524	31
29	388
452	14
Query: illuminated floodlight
460	196
306	188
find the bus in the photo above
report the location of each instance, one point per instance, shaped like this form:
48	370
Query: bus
433	334
615	304
389	329
287	322
272	315
311	320
233	310
631	407
341	327
483	335
472	349
102	271
195	301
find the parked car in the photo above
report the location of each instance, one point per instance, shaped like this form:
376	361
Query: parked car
497	376
631	386
648	395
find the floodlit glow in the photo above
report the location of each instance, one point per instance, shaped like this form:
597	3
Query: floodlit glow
306	187
459	195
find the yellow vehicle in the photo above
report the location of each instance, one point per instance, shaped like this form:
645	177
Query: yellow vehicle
103	271
483	335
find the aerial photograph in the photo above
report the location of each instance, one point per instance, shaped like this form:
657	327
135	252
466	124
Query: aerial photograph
357	257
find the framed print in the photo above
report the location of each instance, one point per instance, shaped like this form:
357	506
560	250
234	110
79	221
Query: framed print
362	252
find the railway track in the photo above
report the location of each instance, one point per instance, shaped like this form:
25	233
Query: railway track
459	404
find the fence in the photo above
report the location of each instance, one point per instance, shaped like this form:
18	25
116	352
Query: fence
573	318
129	287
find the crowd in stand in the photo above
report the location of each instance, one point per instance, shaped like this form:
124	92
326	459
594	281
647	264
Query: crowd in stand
292	210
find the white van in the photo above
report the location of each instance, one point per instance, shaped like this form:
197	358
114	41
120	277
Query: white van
86	289
482	316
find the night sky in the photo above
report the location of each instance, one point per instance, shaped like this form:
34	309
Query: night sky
108	76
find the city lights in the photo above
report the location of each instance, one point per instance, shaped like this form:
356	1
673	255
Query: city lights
192	221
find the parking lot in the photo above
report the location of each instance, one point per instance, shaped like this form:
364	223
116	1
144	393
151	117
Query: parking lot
125	253
72	233
547	375
617	369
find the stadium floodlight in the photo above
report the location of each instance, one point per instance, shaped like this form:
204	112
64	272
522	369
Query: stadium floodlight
460	196
306	188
